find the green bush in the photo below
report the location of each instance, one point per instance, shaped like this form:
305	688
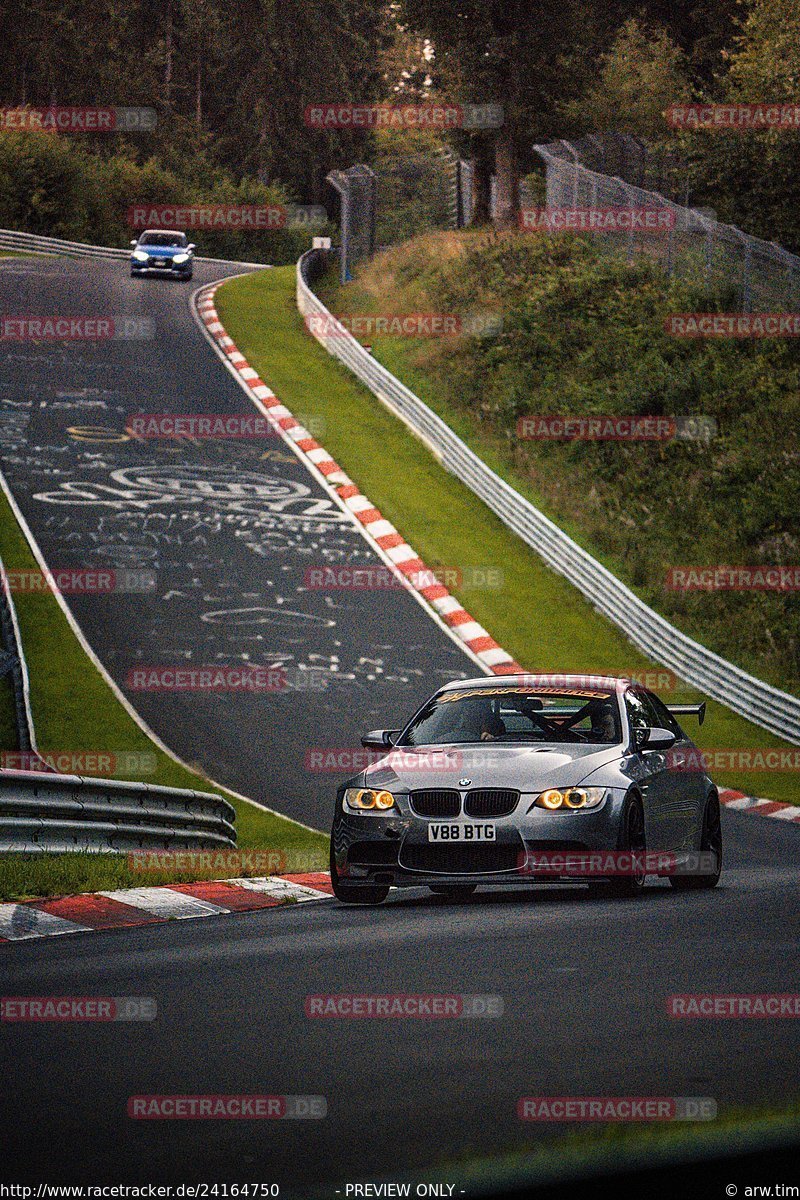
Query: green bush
55	187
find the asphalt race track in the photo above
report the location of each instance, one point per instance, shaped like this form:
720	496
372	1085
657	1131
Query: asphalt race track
226	529
583	982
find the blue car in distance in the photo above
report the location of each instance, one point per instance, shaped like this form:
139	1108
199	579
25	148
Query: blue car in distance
162	252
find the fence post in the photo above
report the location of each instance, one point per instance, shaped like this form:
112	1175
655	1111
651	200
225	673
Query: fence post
357	220
631	235
746	277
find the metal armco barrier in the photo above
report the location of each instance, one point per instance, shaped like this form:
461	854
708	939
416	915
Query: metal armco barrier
715	677
43	810
11	239
57	813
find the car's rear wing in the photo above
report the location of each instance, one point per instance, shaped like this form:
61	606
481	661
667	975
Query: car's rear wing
689	710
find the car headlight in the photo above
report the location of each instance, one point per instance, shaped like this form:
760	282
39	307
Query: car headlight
576	797
181	258
140	255
367	800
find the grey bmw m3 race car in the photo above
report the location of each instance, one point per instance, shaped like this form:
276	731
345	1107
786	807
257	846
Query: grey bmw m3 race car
529	779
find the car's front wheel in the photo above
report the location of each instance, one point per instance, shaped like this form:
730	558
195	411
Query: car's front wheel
631	841
349	893
710	843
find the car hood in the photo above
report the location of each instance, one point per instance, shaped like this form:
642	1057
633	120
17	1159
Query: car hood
525	768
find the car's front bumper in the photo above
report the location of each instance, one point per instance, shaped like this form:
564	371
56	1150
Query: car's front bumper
394	849
180	269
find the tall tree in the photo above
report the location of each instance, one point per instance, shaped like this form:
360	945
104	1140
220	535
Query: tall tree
507	53
640	76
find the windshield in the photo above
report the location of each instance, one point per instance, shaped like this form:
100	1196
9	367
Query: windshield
151	238
516	714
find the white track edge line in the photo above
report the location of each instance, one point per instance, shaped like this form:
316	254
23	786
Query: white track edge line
123	699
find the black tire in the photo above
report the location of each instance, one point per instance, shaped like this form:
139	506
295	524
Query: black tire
632	837
710	840
352	894
453	891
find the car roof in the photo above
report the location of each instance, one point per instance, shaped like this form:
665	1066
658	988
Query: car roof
611	683
170	232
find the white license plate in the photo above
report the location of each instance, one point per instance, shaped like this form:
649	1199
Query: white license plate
453	832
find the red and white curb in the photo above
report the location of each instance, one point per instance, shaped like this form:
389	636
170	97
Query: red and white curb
94	911
738	802
395	549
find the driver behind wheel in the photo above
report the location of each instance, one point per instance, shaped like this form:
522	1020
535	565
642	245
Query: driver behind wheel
493	727
604	725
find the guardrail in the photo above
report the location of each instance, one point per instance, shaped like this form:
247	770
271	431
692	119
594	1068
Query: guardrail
711	674
41	810
11	239
57	813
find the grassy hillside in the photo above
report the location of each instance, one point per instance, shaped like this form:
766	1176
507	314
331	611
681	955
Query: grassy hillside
585	335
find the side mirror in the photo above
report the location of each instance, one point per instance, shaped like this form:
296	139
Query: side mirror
191	246
380	739
134	242
655	739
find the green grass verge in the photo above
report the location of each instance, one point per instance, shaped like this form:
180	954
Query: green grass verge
620	1147
74	708
535	614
